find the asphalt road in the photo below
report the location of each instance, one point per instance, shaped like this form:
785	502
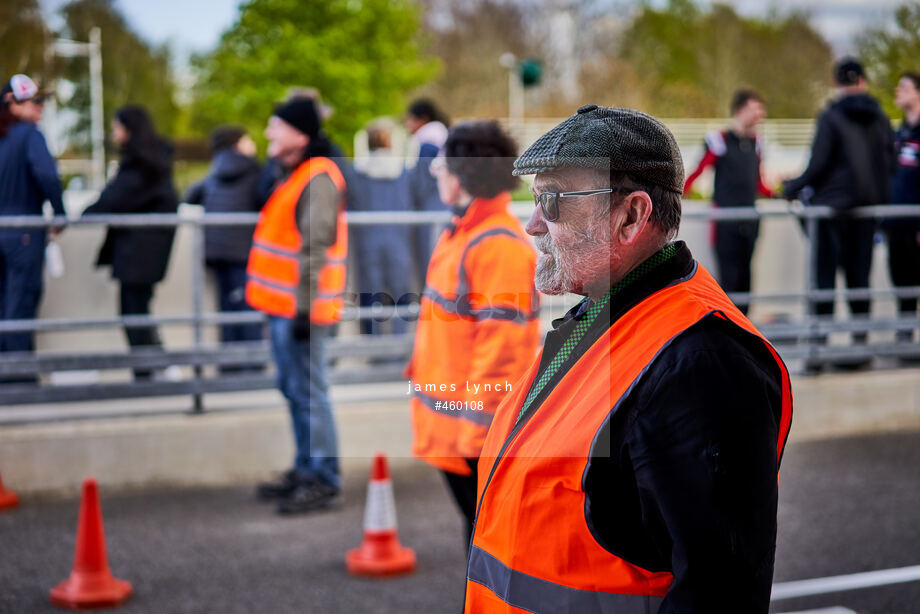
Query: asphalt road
847	506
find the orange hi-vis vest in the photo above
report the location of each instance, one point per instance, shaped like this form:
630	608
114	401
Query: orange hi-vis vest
532	549
478	330
274	260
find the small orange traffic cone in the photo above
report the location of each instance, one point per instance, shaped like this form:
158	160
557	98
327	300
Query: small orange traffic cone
90	584
7	497
380	552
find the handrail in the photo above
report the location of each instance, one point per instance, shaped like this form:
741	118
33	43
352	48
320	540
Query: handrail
799	332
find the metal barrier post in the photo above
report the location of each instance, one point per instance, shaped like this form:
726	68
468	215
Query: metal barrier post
811	285
198	277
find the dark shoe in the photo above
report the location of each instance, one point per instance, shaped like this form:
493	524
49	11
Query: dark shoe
911	360
812	367
310	496
280	488
854	364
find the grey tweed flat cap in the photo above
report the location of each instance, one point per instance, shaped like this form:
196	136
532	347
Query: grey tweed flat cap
608	138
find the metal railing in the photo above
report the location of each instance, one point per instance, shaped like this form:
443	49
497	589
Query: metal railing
797	339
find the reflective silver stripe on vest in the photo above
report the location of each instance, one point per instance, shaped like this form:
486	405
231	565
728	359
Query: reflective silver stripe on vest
462	307
288	253
504	313
533	594
271	284
476	416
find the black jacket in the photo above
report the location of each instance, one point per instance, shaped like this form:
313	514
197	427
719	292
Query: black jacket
683	477
138	255
852	155
230	187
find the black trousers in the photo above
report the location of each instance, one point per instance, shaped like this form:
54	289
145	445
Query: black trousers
734	250
846	244
463	488
904	260
135	300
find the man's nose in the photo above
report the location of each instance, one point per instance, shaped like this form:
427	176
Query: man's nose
536	225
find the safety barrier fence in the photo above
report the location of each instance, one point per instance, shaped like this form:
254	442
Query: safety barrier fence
801	340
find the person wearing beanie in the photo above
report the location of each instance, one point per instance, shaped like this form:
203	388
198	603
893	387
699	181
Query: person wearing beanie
296	275
852	159
633	468
28	177
230	187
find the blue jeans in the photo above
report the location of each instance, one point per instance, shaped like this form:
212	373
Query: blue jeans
302	379
22	258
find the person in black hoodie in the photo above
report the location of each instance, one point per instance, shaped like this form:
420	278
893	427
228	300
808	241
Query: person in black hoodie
852	157
143	184
230	187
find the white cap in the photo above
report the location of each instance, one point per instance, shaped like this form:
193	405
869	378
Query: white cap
22	87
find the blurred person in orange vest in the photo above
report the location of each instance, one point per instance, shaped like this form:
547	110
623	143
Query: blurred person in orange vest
296	274
634	467
478	326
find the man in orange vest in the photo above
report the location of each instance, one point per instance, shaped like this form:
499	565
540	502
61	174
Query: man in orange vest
634	467
296	274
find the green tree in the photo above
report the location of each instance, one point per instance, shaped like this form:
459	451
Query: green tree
887	53
689	61
133	72
23	39
362	55
468	38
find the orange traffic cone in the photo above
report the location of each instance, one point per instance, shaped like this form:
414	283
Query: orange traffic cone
90	584
7	497
380	553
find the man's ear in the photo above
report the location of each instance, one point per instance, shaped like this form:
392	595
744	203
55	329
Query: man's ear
636	214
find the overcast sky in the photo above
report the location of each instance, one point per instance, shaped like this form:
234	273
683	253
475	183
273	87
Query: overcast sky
195	25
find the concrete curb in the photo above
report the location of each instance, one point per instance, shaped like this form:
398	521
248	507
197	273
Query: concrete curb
245	445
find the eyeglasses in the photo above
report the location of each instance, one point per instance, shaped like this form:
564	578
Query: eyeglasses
549	201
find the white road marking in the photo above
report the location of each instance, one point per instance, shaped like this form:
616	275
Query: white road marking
834	584
834	610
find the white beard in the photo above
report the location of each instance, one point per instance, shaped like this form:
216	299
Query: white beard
586	259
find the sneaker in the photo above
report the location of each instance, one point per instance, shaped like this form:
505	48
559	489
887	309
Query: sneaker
172	373
310	496
280	488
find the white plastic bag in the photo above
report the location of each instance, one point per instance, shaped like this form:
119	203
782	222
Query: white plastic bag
54	260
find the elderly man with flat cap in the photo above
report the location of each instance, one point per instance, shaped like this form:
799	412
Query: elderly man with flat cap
634	469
